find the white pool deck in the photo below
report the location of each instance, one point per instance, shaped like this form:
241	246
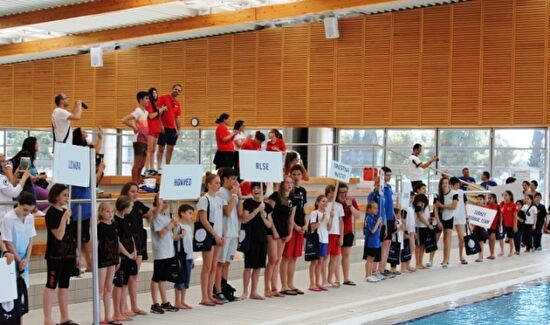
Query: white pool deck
404	297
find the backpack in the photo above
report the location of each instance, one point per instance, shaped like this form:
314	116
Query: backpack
227	290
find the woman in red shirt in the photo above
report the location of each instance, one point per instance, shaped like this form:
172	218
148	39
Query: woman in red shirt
495	228
509	213
351	211
292	158
225	153
155	128
276	142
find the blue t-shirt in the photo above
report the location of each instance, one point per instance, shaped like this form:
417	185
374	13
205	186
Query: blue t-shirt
78	192
375	196
388	203
488	183
373	240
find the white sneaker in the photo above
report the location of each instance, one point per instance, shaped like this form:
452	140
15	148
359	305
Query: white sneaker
379	276
373	278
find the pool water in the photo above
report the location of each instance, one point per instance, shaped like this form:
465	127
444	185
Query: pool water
529	304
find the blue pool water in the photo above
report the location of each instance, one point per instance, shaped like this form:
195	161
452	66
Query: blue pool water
529	304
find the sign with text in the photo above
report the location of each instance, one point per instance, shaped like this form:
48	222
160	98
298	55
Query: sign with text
480	216
181	182
340	172
261	166
9	276
71	164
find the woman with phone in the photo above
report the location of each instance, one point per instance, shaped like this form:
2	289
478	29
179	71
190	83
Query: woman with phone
24	160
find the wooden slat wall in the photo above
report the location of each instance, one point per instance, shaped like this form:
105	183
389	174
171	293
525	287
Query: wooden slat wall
477	63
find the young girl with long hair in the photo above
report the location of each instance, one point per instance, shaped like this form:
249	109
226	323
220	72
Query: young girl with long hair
531	212
108	254
322	220
447	201
210	207
282	213
459	217
495	227
508	211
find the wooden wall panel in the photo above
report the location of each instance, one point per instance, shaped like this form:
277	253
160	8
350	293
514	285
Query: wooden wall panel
474	63
196	64
270	45
349	72
23	94
245	64
529	62
436	28
42	80
497	61
377	81
295	75
466	64
322	57
126	82
6	87
406	66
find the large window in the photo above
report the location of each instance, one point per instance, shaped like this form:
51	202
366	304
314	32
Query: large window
459	148
361	148
519	153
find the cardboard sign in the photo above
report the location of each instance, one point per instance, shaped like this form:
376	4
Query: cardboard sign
71	165
181	182
480	216
340	172
261	166
514	187
9	285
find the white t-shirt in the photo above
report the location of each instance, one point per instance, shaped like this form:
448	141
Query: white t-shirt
17	232
163	247
460	212
411	220
415	171
187	240
338	213
231	225
530	213
216	211
239	138
447	214
7	193
62	125
317	216
426	216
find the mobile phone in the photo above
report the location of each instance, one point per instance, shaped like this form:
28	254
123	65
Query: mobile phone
25	163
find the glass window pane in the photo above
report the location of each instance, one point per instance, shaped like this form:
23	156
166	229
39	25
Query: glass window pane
407	138
208	148
361	136
524	158
520	138
464	138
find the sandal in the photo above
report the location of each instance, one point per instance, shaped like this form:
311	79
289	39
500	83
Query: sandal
114	322
491	258
207	303
289	293
315	289
298	291
349	283
479	260
336	284
463	262
278	295
69	322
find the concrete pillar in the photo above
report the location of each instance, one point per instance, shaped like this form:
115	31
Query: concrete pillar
319	157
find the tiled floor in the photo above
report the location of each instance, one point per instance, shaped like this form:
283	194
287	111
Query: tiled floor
407	296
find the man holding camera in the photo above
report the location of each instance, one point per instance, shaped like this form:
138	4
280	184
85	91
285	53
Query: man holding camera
61	118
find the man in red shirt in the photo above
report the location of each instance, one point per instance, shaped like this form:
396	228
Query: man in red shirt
170	122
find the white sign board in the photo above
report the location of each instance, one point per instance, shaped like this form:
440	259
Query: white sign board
480	216
71	164
261	166
514	187
9	279
340	172
181	182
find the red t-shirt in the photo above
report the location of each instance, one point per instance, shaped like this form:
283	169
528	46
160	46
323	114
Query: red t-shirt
496	220
279	143
508	211
348	217
250	144
154	123
174	110
221	132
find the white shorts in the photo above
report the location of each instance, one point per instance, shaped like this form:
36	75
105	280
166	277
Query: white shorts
228	251
460	220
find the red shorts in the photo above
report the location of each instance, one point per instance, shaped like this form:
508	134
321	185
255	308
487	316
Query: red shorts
334	245
154	134
295	246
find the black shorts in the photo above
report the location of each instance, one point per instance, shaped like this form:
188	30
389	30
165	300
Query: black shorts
492	231
224	159
126	268
422	235
390	229
448	224
140	149
383	233
59	273
372	252
509	232
169	137
85	231
348	240
256	255
161	270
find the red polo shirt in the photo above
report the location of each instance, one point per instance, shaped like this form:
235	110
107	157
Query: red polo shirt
154	123
221	132
174	110
279	143
250	144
